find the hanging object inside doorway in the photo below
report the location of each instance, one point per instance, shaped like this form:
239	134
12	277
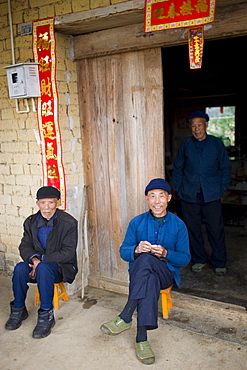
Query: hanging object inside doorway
196	42
170	14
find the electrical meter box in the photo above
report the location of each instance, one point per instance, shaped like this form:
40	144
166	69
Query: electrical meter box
23	80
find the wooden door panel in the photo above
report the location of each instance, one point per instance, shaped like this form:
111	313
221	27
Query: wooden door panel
121	106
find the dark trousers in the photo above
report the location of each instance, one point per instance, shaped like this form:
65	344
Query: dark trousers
212	215
46	275
148	276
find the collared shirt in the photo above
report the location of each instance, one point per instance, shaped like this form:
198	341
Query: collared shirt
207	168
171	234
44	228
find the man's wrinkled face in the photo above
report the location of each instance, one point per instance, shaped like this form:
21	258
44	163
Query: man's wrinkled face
198	128
157	200
48	206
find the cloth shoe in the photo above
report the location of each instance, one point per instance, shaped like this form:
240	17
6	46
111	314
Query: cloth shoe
197	267
16	316
115	326
46	321
144	353
220	271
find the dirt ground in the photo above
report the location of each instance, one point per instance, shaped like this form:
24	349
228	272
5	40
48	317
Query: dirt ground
199	334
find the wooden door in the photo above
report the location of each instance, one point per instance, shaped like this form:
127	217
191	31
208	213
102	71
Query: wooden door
121	107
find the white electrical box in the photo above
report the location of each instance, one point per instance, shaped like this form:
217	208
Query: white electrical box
23	80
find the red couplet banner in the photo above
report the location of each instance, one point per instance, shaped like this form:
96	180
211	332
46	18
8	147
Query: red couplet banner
169	14
44	50
196	42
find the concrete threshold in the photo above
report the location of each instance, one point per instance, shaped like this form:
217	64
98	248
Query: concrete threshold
210	307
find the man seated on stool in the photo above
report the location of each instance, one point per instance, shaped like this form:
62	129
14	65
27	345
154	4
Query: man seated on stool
156	245
48	248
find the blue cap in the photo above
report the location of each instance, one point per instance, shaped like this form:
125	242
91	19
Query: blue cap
199	113
158	184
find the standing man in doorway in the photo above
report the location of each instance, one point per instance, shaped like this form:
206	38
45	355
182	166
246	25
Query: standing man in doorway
201	176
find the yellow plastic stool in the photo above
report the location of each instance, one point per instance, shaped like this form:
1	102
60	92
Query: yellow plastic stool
166	301
57	295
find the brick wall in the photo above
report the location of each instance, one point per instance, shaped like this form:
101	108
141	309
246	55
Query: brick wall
20	159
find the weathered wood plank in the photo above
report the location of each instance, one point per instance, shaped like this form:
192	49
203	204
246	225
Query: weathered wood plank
86	118
154	119
144	121
230	21
127	12
122	119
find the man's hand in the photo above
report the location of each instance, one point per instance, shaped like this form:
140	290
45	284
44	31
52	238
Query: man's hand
143	247
35	261
159	251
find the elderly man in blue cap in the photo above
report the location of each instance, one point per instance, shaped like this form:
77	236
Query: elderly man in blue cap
48	250
156	246
201	176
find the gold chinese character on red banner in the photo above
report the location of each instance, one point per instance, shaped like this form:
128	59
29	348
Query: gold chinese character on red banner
50	152
52	172
44	64
45	85
48	130
47	108
43	43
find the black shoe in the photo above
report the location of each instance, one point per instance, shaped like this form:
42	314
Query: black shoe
16	317
46	321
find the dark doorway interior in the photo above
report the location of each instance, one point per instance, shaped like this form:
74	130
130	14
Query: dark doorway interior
220	82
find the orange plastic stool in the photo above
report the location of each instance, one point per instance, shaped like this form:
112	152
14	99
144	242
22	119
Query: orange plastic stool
166	301
57	295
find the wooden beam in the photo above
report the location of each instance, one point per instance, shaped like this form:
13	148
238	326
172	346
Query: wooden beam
230	21
128	12
117	15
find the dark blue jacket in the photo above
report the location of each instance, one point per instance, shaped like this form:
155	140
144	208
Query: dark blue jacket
208	168
61	244
171	234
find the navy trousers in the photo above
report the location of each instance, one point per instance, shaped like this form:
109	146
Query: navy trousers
46	275
212	215
148	276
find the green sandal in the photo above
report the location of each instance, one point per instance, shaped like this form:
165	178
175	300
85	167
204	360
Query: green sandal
144	353
220	271
197	267
115	326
